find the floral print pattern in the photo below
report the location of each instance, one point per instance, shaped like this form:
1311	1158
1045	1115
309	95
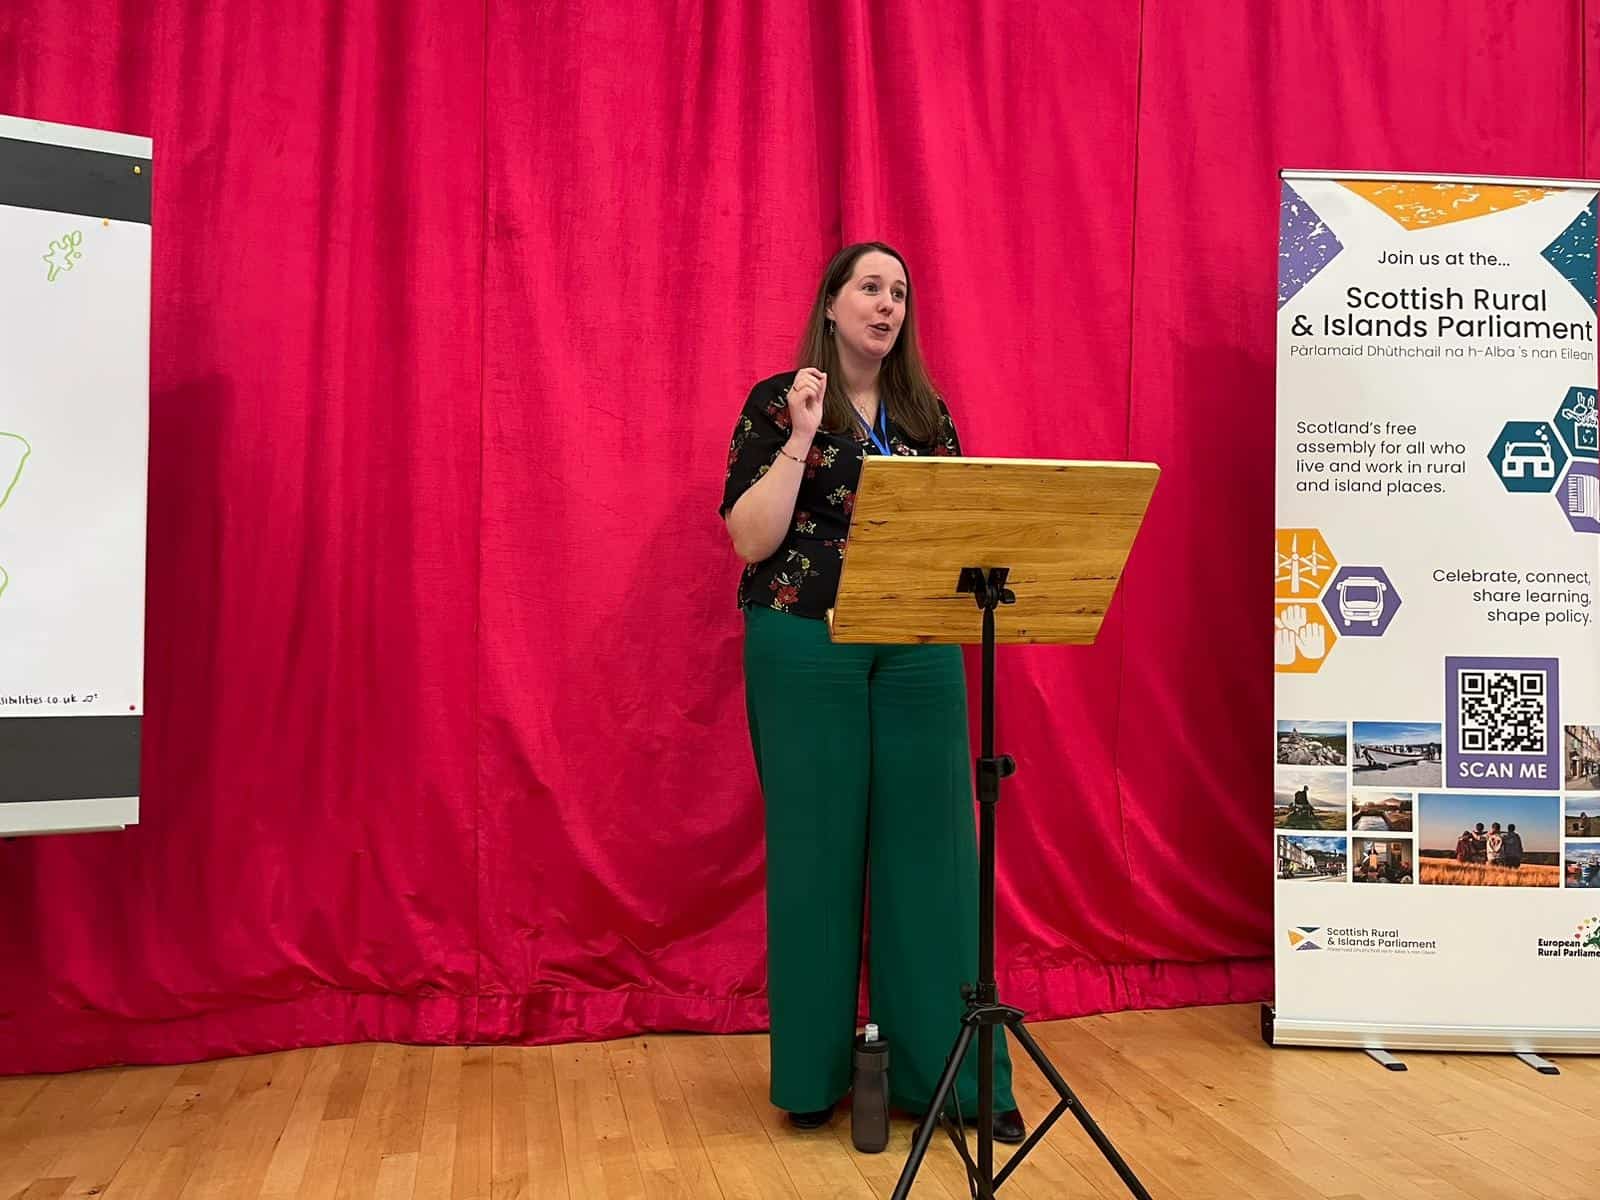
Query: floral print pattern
802	575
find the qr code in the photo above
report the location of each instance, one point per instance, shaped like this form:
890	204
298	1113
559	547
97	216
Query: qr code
1502	712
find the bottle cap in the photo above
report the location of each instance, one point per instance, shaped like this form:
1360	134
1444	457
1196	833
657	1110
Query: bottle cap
872	1032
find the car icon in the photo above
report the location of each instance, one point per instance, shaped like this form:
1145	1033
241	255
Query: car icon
1361	599
1519	458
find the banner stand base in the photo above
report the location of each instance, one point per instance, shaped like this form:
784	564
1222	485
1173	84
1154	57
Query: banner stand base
1527	1044
1542	1065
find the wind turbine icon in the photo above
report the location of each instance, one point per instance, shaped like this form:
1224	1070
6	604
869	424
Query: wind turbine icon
1301	570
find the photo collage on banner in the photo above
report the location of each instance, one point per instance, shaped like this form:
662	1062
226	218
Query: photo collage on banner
1436	802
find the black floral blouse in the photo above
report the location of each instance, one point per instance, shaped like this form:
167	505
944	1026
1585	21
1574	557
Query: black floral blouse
802	576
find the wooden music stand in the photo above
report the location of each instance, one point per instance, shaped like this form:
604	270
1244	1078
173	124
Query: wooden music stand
1040	547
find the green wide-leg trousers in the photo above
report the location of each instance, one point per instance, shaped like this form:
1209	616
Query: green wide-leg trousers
864	760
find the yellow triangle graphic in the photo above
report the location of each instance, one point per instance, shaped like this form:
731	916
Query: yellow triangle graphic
1296	938
1423	205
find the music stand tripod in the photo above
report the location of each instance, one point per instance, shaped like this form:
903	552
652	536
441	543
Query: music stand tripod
912	517
984	1010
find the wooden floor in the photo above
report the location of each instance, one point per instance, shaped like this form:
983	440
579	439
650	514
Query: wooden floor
1201	1109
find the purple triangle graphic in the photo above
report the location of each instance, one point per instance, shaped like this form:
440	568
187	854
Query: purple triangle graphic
1305	245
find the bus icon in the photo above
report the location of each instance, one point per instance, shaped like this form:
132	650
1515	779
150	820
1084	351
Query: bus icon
1361	599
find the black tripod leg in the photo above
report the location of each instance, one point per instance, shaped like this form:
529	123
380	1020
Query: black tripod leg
1048	1070
930	1119
985	1112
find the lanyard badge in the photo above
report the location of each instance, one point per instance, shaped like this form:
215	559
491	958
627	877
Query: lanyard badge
880	434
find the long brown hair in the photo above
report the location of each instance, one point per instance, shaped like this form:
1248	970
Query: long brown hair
903	383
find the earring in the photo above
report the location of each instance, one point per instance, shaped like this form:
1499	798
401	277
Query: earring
827	326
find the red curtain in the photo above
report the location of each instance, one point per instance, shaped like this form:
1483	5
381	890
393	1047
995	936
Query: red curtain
454	306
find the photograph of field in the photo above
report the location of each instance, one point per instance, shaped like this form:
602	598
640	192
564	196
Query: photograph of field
1448	871
1489	840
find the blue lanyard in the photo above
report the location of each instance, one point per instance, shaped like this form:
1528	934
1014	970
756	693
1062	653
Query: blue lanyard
881	441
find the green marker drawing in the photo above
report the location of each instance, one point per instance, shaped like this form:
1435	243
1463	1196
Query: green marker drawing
14	451
66	246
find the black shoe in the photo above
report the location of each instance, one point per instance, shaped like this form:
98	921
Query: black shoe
811	1120
1008	1128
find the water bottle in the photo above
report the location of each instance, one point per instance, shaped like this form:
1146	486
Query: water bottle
869	1097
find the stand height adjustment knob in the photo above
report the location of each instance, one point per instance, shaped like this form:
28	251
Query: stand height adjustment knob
1001	767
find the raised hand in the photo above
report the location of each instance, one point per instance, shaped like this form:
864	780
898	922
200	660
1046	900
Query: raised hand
805	401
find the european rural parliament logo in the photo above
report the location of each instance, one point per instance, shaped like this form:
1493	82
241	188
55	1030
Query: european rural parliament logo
1584	942
1304	937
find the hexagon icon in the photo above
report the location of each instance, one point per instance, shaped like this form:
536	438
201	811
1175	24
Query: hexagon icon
1579	495
1304	564
1301	638
1361	601
1528	456
1579	427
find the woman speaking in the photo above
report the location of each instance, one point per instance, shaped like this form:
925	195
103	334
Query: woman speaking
862	751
